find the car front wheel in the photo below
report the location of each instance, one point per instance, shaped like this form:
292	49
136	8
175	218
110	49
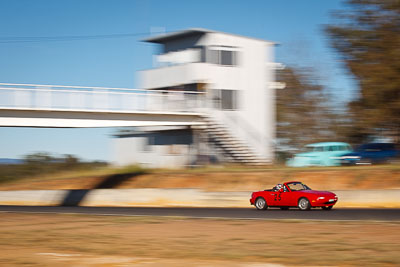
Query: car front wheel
304	204
261	204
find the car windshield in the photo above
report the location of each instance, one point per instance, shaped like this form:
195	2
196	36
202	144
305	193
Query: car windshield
327	148
298	187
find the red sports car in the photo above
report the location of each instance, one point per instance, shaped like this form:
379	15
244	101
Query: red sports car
293	194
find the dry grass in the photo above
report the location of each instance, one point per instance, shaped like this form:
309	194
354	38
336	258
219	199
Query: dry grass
80	240
222	179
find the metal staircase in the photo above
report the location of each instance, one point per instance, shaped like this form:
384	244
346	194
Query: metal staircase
229	146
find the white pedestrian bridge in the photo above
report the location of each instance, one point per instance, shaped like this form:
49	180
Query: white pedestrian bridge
33	105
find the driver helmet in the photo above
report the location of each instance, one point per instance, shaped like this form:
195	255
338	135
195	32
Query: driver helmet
279	187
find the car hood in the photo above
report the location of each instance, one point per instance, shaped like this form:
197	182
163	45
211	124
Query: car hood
320	193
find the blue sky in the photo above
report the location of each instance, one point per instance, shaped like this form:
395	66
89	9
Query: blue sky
296	25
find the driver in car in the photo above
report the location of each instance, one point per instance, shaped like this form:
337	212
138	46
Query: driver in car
278	188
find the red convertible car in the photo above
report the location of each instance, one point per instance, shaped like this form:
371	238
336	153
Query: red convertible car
293	194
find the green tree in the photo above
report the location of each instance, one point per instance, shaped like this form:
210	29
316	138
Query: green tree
367	36
38	158
304	115
70	161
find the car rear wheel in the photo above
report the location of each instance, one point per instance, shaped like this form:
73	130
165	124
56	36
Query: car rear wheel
304	204
261	204
327	207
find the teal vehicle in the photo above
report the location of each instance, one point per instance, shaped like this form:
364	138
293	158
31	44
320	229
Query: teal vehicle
320	154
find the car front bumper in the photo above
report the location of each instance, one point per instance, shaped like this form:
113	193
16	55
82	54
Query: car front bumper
324	202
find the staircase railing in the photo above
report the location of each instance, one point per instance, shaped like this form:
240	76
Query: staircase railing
233	124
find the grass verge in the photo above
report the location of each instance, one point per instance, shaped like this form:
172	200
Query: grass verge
229	178
48	239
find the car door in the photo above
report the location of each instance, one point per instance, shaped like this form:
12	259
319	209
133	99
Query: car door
282	198
291	197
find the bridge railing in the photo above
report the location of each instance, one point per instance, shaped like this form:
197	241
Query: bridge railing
75	98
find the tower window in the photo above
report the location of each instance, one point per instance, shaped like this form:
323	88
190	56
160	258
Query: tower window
221	56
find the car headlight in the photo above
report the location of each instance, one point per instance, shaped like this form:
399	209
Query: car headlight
320	198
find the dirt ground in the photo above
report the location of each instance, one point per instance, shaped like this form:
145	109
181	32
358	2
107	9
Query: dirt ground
333	178
83	240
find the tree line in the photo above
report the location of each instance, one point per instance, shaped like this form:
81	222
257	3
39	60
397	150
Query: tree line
44	163
366	37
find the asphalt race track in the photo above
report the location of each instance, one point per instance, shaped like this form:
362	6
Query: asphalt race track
230	213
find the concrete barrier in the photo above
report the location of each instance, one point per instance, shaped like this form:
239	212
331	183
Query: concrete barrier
388	198
177	197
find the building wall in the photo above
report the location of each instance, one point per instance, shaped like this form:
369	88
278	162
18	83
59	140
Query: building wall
254	120
155	149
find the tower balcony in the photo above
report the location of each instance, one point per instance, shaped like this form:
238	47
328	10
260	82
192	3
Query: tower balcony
215	76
